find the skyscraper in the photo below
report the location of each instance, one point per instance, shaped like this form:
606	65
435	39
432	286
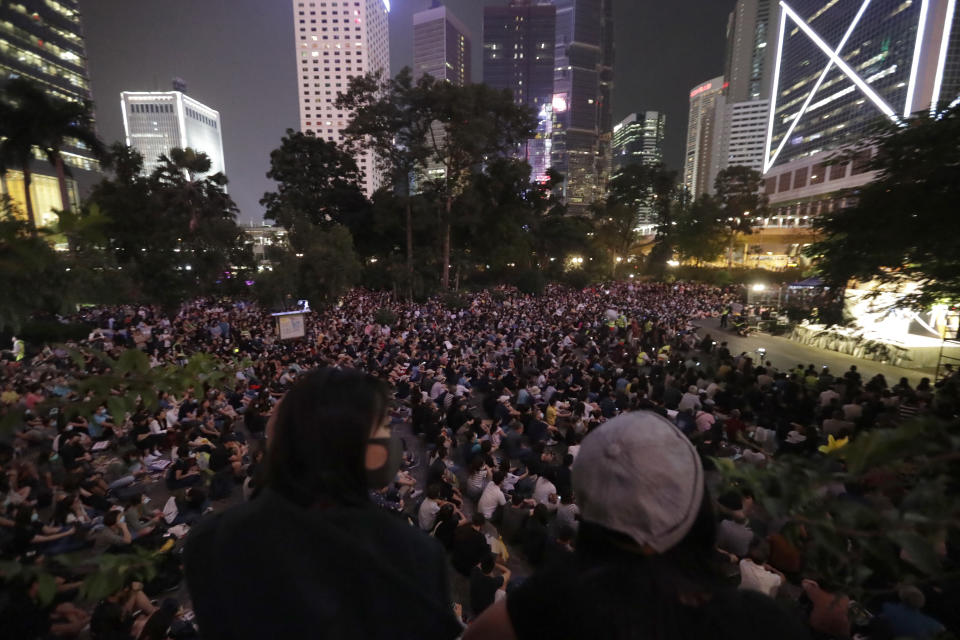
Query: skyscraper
743	133
43	42
155	122
748	68
518	55
638	139
335	41
841	66
441	46
581	102
700	165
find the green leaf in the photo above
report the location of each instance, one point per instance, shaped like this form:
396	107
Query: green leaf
917	551
133	361
46	588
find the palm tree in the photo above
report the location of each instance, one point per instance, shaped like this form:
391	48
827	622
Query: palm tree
30	118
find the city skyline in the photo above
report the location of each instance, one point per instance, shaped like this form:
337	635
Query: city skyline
142	47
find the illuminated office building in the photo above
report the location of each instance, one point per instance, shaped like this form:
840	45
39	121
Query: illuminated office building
441	46
42	41
843	65
518	55
638	139
705	121
155	122
335	41
583	84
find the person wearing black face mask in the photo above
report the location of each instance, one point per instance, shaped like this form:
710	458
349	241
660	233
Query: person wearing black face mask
318	558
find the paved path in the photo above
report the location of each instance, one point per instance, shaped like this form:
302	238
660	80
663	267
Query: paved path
787	354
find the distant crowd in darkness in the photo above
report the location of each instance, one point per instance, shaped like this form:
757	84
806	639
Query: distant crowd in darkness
496	403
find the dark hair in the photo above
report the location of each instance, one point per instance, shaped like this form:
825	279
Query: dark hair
498	476
321	428
487	563
478	520
110	517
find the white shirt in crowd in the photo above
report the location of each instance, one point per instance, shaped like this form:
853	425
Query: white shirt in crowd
427	515
827	396
491	498
542	491
756	578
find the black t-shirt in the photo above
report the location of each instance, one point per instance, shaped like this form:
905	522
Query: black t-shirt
614	597
219	458
271	569
483	589
469	547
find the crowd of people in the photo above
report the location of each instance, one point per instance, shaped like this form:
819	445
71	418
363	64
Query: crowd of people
556	448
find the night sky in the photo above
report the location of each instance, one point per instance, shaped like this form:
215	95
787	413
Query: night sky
237	56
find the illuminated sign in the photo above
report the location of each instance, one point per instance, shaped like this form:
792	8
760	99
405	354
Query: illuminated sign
701	89
559	102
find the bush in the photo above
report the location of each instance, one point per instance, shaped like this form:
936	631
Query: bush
385	316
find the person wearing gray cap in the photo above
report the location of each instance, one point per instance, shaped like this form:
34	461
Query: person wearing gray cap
644	564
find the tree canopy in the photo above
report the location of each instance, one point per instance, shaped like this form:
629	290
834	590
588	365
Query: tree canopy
903	226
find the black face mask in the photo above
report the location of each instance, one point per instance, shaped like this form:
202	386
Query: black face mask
384	475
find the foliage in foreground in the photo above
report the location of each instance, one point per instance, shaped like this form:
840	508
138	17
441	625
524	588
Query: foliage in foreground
891	529
128	384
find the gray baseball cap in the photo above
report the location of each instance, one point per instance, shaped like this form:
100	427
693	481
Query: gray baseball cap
637	474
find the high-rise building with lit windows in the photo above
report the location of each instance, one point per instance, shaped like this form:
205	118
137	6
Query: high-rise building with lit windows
748	66
335	41
638	139
441	45
42	41
704	124
518	55
841	66
155	122
583	85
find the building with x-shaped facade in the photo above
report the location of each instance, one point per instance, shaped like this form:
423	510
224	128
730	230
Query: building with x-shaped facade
842	66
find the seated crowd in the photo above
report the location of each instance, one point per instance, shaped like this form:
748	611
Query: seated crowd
521	457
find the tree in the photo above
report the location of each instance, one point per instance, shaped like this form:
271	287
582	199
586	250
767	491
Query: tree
388	117
699	235
29	118
739	194
317	182
477	123
319	266
32	277
651	188
903	227
172	234
209	244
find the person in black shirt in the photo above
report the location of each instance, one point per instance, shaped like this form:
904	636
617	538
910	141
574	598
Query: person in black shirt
643	561
469	545
484	584
311	556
